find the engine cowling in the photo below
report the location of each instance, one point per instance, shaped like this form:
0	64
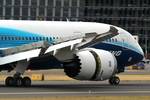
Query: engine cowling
91	64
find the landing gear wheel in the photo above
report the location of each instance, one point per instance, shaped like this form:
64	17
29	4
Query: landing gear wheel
9	81
26	81
18	82
114	80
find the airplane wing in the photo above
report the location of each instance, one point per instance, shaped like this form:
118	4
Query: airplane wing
61	50
94	38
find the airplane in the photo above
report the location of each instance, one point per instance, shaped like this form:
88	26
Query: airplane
85	50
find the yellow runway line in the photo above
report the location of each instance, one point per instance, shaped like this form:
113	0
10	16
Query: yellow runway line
122	77
39	77
135	77
82	98
57	77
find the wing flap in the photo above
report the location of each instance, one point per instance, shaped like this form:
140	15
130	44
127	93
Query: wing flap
32	50
23	48
19	56
59	46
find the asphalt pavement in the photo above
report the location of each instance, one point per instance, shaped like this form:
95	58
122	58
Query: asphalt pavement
76	88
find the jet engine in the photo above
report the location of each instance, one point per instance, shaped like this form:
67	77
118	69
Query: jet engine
91	64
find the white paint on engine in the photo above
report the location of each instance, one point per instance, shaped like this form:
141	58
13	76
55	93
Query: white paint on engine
107	64
88	65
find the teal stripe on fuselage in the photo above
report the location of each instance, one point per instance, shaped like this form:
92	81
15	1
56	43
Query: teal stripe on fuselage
9	32
8	44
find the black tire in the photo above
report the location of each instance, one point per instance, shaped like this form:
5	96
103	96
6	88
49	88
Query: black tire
18	82
110	81
9	81
26	81
114	80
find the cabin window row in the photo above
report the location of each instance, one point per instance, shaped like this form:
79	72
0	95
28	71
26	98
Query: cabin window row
28	38
111	40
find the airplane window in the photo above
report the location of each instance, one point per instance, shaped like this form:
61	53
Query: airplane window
19	38
40	38
5	38
22	38
26	38
112	40
46	38
30	38
2	38
12	38
15	38
50	38
37	38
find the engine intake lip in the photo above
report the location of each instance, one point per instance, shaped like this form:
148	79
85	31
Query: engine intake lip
72	68
98	65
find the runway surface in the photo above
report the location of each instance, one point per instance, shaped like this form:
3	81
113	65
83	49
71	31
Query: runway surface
76	88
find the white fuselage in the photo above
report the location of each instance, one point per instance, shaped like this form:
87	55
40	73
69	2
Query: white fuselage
60	31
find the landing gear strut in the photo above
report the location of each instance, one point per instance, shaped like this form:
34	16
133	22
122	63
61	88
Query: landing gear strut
114	80
18	81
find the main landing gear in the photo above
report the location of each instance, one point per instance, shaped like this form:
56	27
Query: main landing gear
114	80
18	81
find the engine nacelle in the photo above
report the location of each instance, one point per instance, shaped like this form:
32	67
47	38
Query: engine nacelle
92	64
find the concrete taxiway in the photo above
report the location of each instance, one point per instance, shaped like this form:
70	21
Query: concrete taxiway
133	83
76	88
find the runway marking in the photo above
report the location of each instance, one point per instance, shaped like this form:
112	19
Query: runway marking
84	92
